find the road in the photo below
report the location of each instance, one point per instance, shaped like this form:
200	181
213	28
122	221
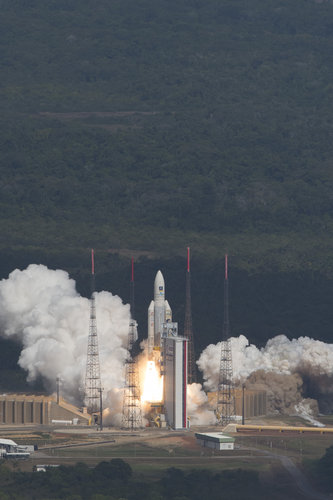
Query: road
300	479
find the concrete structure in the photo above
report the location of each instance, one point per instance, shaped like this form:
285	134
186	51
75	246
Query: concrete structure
255	402
18	409
174	363
216	440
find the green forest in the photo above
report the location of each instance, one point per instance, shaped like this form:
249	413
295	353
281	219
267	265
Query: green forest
114	480
145	127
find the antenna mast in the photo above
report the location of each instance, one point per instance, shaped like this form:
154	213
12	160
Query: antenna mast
132	305
225	409
188	330
93	376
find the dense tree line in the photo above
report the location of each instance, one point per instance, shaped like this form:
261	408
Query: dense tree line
235	146
114	480
154	125
322	471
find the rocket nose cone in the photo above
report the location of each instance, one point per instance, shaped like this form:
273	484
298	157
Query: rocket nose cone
159	277
159	287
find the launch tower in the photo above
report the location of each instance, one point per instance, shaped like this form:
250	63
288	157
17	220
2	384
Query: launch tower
93	377
225	410
188	331
132	415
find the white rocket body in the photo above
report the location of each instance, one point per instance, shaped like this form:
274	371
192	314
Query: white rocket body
168	312
150	329
159	312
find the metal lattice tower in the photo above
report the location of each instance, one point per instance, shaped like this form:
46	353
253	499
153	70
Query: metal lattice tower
188	331
225	409
132	414
93	376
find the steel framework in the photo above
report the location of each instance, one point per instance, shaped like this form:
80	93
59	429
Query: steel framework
225	409
132	414
93	376
188	330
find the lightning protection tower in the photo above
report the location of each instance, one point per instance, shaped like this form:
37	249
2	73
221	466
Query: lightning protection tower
225	409
188	331
93	377
132	415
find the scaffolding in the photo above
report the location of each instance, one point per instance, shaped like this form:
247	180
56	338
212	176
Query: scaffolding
225	410
132	413
93	376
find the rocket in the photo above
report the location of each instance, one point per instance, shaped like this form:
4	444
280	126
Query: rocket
159	312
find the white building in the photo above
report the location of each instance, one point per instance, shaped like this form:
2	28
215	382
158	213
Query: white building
174	368
216	440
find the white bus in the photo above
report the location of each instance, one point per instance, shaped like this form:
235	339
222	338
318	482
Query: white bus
10	449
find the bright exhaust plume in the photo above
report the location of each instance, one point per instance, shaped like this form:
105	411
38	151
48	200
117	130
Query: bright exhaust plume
153	384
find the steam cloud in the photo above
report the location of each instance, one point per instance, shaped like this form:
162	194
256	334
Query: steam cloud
295	373
41	308
197	406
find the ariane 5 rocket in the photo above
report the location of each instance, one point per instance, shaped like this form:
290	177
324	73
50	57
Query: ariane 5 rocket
159	312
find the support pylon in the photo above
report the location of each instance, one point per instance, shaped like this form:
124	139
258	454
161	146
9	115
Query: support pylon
188	330
93	376
225	409
132	414
132	290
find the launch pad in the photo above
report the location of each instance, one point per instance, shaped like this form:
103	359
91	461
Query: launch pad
167	355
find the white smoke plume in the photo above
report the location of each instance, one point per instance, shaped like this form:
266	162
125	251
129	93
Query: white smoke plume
287	369
41	308
197	405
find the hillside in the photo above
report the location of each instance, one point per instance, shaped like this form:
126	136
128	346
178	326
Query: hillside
154	125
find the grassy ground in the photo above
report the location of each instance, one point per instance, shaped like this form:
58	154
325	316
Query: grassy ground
303	446
145	452
150	454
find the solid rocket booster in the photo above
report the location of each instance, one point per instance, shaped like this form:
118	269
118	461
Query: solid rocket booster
159	312
168	312
150	329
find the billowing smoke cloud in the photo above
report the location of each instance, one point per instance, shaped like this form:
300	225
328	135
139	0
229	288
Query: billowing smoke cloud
41	308
289	370
197	406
